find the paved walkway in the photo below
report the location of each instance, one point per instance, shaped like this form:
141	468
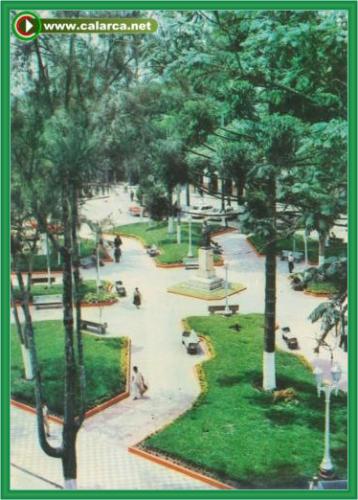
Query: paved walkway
155	331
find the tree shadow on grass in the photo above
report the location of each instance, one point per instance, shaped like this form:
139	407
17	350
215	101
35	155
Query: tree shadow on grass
229	381
279	476
253	377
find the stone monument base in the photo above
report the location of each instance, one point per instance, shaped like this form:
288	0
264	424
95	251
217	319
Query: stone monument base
207	284
206	278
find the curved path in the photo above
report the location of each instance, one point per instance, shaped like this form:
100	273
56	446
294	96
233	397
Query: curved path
155	331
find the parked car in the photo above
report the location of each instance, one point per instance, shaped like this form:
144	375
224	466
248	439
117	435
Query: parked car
200	211
135	210
218	213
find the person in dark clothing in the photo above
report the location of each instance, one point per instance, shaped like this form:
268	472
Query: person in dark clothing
117	241
117	254
131	195
291	263
137	298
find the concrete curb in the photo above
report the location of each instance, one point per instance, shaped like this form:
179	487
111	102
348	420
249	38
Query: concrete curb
318	294
165	462
38	272
83	304
175	265
96	409
31	409
99	304
207	298
179	468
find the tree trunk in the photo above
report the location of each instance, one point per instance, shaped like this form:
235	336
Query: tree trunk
26	359
178	230
29	334
170	218
69	459
77	299
25	352
187	193
69	425
305	238
48	262
269	371
322	248
222	194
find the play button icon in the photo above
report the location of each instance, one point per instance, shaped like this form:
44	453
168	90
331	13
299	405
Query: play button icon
29	26
26	26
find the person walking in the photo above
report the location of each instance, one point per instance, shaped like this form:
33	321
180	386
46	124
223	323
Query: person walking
117	241
45	419
291	263
131	195
139	385
117	254
137	298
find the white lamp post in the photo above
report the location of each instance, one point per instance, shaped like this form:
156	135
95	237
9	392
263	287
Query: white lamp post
190	249
326	468
227	311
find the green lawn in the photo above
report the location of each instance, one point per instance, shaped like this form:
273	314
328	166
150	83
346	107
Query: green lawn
236	432
40	261
88	291
104	362
157	234
333	250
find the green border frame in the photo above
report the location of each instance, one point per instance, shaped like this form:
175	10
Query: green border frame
6	7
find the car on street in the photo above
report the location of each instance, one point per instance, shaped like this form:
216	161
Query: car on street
135	210
218	213
200	211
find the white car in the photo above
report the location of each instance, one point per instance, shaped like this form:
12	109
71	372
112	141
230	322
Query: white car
218	213
200	211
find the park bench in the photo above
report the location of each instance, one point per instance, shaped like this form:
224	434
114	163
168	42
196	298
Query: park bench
298	256
87	263
191	263
221	309
289	338
153	251
191	341
92	326
121	291
47	301
334	239
41	279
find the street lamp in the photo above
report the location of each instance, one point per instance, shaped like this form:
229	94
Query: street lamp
227	311
190	249
326	468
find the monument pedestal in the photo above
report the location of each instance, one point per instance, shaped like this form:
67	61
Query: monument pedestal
206	278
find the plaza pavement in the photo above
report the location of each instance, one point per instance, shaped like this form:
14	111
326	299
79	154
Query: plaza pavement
155	332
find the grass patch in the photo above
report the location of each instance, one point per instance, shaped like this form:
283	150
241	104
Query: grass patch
335	249
236	432
157	234
184	289
105	371
39	262
88	290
